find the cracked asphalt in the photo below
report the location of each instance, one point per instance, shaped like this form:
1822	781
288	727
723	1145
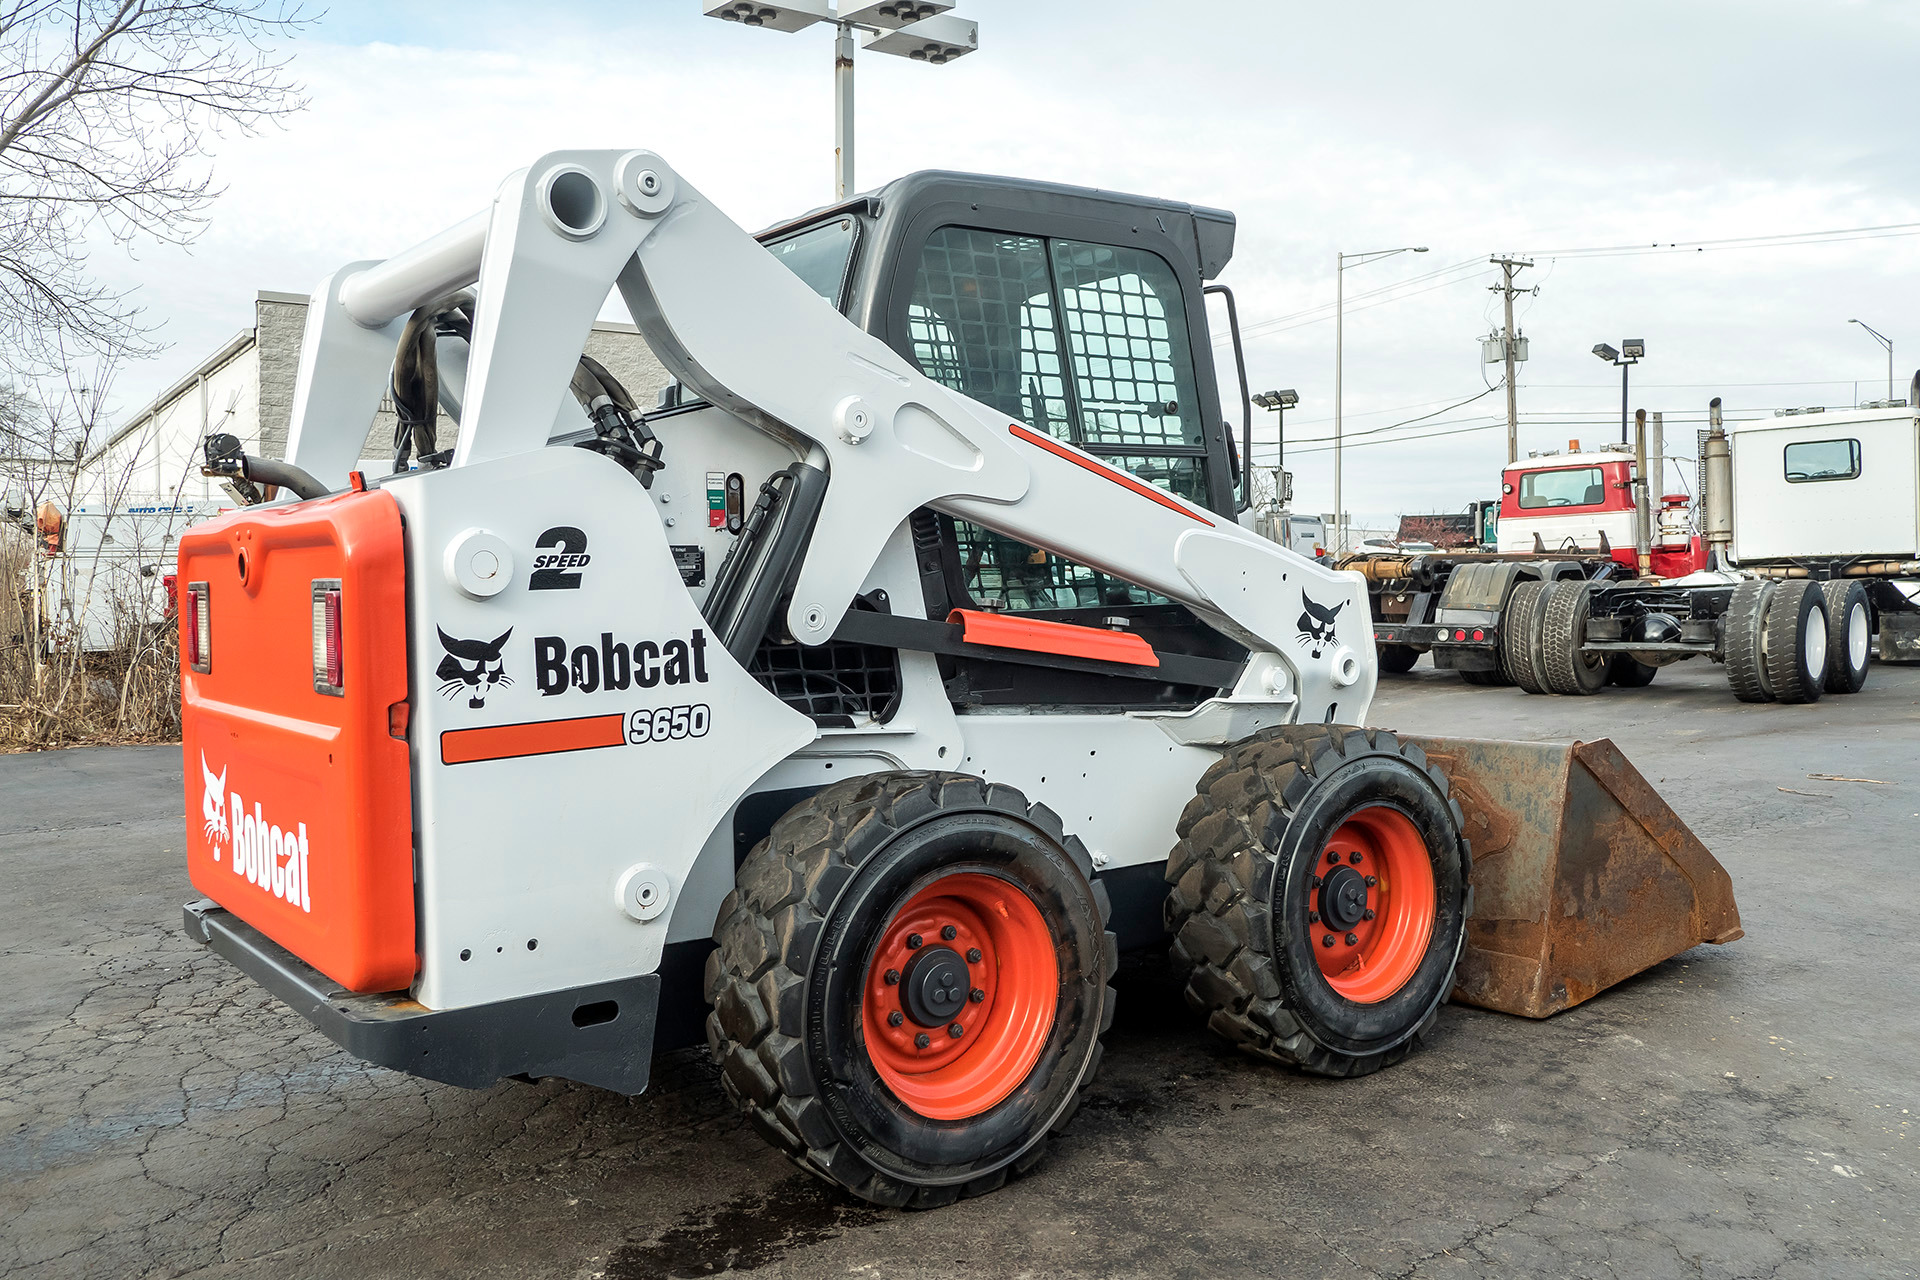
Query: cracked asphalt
1745	1111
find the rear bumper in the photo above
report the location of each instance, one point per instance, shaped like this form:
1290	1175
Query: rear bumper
1421	635
600	1035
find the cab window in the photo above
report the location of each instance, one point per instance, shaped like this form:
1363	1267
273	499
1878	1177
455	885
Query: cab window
1812	460
1568	487
819	255
1086	342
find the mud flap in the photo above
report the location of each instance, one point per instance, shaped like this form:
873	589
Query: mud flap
1582	875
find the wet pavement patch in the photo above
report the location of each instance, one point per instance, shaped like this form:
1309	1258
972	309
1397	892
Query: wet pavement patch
748	1231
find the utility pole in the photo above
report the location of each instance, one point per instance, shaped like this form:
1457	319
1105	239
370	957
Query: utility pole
1508	342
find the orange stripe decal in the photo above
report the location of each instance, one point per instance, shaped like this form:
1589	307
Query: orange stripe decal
537	738
1036	635
1088	462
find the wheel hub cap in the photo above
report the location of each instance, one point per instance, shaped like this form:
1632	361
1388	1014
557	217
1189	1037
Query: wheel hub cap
934	986
1343	898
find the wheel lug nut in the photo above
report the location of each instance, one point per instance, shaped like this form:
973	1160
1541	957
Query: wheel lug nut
1372	881
1316	882
895	1018
1353	939
915	942
973	955
1327	941
976	995
922	1040
948	932
1367	914
1313	917
893	977
955	1030
1332	857
1354	857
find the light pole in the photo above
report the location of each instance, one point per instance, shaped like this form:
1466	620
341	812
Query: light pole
1631	349
1341	261
1279	402
922	30
1886	342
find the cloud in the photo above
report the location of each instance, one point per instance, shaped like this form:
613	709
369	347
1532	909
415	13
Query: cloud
1324	128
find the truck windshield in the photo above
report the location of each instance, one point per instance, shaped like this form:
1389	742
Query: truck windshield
1567	487
819	256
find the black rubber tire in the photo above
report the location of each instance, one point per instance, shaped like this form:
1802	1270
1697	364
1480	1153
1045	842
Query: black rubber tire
1397	658
1519	625
1563	635
1243	947
1846	600
1486	679
1744	629
809	904
1628	672
1796	670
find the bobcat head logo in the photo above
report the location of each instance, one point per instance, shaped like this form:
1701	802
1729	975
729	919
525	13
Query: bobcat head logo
213	804
473	666
1316	624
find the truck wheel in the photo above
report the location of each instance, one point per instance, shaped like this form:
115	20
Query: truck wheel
1796	649
1629	672
1743	629
1519	626
911	985
1397	658
1320	897
1849	635
1563	637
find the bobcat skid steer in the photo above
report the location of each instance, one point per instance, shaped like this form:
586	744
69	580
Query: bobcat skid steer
859	703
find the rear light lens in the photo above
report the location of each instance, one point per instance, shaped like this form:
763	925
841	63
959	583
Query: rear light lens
329	662
199	629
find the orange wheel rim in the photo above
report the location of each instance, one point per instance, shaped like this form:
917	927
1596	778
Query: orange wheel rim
1372	905
960	995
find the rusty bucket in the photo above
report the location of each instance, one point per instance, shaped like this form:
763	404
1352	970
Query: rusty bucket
1582	875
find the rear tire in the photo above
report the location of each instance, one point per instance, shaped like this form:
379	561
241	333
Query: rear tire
801	1025
1398	658
1628	672
1744	626
1521	624
1849	635
1563	633
1796	649
1487	679
1252	912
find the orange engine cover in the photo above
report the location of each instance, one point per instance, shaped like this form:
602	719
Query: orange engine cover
299	809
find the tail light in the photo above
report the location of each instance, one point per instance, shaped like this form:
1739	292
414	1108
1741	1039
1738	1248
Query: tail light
199	628
170	583
329	666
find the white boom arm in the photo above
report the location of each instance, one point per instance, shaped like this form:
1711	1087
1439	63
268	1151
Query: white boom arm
739	329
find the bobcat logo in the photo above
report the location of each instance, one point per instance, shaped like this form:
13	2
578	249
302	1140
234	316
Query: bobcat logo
1316	624
213	805
472	665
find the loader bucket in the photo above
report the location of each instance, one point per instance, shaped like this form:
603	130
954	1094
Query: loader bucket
1582	875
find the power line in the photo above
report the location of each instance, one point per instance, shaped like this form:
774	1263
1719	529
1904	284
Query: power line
1784	239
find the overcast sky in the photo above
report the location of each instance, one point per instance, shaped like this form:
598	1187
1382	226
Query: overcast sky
1325	128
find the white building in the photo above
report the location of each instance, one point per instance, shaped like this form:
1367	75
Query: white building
246	389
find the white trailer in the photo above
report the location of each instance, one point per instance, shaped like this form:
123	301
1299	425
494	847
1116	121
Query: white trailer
114	568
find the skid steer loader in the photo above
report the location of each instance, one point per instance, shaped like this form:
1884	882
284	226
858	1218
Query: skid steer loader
847	704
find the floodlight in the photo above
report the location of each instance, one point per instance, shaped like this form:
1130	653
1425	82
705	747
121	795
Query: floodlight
786	15
938	39
1605	352
1633	348
893	14
1287	398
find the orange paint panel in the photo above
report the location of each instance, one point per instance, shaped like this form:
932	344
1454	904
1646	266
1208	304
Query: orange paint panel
536	738
1038	636
299	804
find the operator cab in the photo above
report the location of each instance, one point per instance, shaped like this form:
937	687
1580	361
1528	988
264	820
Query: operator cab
1080	313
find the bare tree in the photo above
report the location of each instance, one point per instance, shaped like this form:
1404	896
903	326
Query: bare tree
107	109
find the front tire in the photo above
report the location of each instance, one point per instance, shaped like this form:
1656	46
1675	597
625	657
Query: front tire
1298	959
876	918
1628	672
1398	658
1849	635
